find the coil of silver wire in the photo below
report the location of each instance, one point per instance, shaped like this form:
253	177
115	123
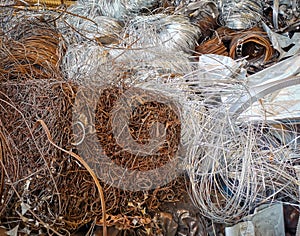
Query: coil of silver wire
122	9
173	32
84	63
85	22
240	14
197	9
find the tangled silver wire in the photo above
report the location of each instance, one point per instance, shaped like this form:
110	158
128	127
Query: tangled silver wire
239	169
241	163
172	32
241	14
122	9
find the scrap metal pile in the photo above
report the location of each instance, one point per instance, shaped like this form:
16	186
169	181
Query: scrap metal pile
147	117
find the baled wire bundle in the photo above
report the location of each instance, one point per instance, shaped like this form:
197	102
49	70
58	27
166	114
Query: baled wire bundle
32	51
85	22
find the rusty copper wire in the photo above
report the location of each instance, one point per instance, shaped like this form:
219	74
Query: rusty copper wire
141	122
254	43
58	191
30	51
129	209
207	26
216	44
212	46
45	178
251	43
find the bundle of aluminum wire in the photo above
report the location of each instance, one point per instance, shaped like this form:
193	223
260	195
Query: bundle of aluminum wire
242	14
85	22
239	169
197	10
87	63
122	9
149	46
174	33
242	163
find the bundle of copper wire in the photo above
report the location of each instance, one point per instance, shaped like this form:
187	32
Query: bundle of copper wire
212	46
31	50
42	177
140	124
207	26
252	44
99	145
9	170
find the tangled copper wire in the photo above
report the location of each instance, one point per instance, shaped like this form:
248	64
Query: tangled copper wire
253	44
31	50
51	191
124	208
9	171
140	123
212	46
43	172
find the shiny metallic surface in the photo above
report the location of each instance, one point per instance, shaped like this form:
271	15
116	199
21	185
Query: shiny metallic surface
122	9
173	32
181	219
240	14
